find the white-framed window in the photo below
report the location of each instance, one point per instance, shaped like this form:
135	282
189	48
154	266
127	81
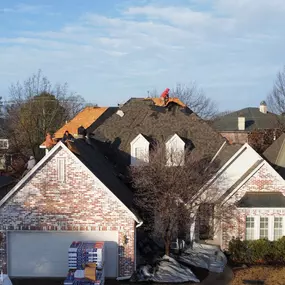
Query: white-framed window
271	228
175	151
140	153
139	150
61	169
4	143
249	231
263	228
278	227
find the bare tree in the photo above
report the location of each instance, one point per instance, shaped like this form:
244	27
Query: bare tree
166	192
276	99
196	99
36	107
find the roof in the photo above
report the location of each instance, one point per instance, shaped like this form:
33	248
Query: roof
158	102
275	155
143	116
89	154
84	118
254	120
262	200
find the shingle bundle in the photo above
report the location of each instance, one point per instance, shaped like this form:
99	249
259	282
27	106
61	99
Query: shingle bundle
80	254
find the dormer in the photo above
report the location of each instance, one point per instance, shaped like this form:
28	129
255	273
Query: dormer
175	151
139	150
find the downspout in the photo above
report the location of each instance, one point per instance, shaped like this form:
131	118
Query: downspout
129	277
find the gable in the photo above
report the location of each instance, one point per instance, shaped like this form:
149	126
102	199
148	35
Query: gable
80	185
264	180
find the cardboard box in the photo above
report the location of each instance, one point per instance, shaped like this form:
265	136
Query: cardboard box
90	273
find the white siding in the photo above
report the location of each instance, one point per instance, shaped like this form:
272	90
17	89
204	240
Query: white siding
175	151
139	150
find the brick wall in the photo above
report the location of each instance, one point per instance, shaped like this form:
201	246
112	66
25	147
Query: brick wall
265	180
235	137
81	203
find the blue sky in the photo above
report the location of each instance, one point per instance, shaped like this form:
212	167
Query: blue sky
108	51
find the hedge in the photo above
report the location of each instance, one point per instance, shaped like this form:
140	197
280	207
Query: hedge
261	251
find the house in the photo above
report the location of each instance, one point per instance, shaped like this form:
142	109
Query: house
78	191
254	191
256	126
71	194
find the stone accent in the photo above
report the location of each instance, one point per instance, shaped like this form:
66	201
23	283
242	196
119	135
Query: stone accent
80	203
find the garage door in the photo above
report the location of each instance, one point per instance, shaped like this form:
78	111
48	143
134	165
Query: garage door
45	254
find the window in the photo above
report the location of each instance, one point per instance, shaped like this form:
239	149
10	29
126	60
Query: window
139	150
263	228
140	153
4	144
278	227
61	175
175	151
249	233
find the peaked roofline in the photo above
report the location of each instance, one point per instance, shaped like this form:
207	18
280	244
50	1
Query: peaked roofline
43	160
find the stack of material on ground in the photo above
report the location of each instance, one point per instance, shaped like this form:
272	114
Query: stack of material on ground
86	264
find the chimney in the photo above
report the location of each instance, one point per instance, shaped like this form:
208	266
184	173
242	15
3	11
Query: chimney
241	122
263	107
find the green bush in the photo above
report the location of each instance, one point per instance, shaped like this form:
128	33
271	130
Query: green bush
257	251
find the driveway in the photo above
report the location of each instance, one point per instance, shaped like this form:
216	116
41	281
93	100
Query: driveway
208	279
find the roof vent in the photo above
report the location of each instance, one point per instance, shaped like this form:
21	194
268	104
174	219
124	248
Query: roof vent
263	107
120	113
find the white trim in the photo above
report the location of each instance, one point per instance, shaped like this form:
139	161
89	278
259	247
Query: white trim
174	137
243	182
42	146
44	159
224	167
219	150
139	136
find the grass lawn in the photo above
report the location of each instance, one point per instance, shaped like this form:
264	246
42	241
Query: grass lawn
267	275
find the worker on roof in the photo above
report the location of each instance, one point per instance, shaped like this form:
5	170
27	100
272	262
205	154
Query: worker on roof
165	95
49	142
67	137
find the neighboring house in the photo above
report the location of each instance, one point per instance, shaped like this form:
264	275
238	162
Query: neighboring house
255	126
255	191
71	194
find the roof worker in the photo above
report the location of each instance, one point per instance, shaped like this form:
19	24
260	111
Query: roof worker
29	165
49	142
67	137
165	95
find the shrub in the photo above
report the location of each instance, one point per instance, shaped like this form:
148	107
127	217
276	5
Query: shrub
257	251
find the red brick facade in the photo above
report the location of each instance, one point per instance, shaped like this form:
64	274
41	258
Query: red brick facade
265	180
80	203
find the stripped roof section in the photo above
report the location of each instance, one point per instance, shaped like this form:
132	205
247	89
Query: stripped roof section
85	118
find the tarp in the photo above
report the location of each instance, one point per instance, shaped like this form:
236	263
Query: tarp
204	256
167	270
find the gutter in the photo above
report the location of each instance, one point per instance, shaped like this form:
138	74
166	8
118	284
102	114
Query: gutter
139	224
123	278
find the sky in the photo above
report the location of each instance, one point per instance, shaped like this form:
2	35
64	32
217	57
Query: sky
108	51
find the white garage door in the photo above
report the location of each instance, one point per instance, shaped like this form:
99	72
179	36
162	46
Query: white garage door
45	254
